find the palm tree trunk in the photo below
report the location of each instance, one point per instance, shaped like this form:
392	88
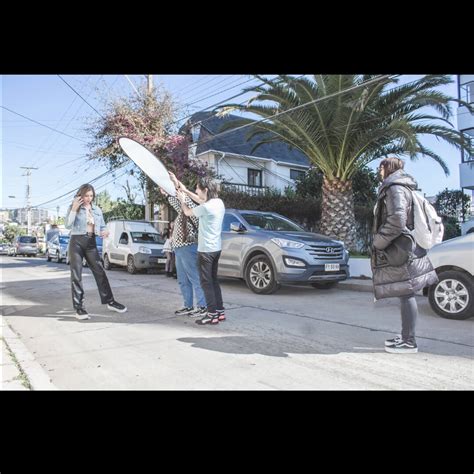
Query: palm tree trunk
337	212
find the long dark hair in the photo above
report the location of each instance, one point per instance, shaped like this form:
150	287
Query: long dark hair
85	188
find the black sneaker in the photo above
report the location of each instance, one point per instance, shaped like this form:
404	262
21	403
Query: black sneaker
198	312
81	313
395	340
115	306
221	314
402	347
183	311
208	319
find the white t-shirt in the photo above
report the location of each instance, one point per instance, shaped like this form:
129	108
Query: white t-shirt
211	215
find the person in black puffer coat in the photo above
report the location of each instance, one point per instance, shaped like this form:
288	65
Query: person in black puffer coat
400	267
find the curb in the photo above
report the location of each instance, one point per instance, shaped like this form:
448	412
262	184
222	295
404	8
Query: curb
356	285
37	377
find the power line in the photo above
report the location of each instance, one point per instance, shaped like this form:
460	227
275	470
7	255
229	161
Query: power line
213	86
74	90
42	124
220	92
69	122
221	102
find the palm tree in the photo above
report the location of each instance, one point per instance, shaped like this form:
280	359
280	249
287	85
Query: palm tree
354	120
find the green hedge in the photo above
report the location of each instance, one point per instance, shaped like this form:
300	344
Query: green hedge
306	211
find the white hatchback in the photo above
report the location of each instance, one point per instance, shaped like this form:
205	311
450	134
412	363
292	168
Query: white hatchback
453	296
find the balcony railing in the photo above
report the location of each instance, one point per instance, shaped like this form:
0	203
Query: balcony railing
244	188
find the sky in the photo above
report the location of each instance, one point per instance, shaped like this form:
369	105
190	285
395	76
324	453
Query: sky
60	158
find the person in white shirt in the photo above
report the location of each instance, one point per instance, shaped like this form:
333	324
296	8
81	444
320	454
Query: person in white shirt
210	212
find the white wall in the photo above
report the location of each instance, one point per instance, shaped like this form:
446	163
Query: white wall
234	169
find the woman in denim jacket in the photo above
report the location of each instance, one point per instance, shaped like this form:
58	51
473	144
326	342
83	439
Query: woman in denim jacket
85	221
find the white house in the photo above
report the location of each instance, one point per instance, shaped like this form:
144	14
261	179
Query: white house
466	125
232	157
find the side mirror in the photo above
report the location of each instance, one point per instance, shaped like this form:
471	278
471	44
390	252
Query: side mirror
237	227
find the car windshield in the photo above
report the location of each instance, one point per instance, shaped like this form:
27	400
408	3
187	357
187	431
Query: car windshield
270	222
27	240
146	238
64	240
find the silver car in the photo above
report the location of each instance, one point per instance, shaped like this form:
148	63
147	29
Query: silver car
453	296
26	245
57	248
266	249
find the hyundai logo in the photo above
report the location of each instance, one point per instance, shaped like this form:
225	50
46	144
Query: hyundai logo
331	249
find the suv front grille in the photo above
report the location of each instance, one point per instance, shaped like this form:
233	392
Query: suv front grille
325	252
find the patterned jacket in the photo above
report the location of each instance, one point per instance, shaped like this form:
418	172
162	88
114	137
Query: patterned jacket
177	239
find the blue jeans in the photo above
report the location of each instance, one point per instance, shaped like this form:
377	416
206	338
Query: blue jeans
188	275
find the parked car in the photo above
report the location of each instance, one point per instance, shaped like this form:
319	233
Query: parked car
99	244
135	245
57	248
4	248
453	296
267	249
26	245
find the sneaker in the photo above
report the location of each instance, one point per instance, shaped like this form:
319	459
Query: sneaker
184	310
208	319
81	313
114	306
402	347
221	314
198	312
395	340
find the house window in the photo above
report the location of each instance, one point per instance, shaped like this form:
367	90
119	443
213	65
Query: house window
254	177
467	92
469	137
296	174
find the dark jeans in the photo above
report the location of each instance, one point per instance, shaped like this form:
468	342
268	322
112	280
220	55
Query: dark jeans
409	315
80	247
208	263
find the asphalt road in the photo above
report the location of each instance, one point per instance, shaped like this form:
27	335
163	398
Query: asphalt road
298	338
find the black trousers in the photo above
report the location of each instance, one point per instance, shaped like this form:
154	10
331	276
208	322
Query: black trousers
80	247
208	263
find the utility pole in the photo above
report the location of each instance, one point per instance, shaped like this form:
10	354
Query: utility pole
28	204
57	217
148	205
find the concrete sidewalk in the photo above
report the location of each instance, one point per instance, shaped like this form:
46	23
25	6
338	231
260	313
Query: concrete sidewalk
12	379
20	370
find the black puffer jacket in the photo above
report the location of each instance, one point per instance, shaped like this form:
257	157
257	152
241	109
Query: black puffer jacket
394	218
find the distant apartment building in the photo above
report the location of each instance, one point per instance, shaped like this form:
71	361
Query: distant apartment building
38	216
466	126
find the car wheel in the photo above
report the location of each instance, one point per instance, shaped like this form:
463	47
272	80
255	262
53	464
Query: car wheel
107	264
324	285
48	257
260	275
453	296
131	268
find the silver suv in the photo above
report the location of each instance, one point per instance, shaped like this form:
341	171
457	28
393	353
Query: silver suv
266	249
26	245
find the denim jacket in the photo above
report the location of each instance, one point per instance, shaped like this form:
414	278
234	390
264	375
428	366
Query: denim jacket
77	221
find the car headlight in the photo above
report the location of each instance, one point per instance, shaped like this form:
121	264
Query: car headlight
284	243
144	250
293	262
